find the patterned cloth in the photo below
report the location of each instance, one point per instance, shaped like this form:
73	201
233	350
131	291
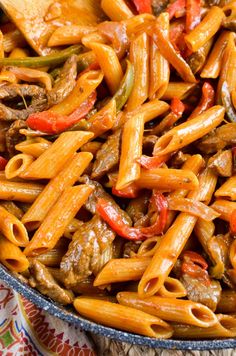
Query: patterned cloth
26	330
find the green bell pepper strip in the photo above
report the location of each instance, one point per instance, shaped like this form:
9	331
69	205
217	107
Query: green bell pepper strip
37	62
125	88
227	103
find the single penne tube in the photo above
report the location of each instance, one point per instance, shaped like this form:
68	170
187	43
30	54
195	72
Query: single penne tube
194	164
224	208
206	29
168	51
228	189
225	327
70	34
19	191
50	162
96	37
228	68
227	302
56	221
207	182
139	57
232	254
167	179
109	64
12	208
171	246
12	228
85	85
17	165
52	258
213	64
149	246
12	257
122	317
116	10
138	23
170	309
184	134
172	288
34	147
193	207
122	270
52	191
179	90
131	150
149	110
204	230
159	66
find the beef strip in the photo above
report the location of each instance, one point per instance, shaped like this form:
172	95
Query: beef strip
137	208
42	279
86	250
218	139
107	156
131	248
218	249
8	92
99	192
65	83
13	136
221	163
200	292
159	6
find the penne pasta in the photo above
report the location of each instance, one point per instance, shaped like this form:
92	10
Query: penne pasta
172	288
206	29
179	90
117	10
131	150
56	221
139	57
170	309
159	66
228	189
214	63
12	208
19	191
225	327
12	228
17	165
69	34
149	246
49	163
167	179
109	64
224	208
121	317
12	257
85	85
33	147
232	254
52	191
122	270
185	133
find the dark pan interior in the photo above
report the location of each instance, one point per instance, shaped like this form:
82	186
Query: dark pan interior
64	314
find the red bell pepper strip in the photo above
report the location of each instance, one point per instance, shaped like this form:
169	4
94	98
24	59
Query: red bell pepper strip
232	222
161	205
193	14
177	107
207	100
152	162
195	266
114	220
132	191
53	123
175	7
3	163
143	6
177	37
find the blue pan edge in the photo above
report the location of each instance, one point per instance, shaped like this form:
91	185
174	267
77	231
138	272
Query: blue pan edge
38	299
